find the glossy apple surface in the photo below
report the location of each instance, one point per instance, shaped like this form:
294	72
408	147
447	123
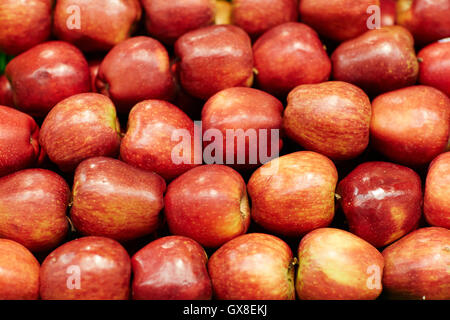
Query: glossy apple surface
388	12
6	96
171	268
254	266
434	65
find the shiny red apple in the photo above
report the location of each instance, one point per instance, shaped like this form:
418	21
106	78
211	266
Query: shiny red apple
6	95
388	12
434	65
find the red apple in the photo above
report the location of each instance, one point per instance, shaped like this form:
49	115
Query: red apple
416	266
223	12
411	125
214	58
115	200
6	96
258	16
377	61
24	24
19	272
289	55
331	118
171	268
294	194
94	66
169	20
254	266
148	143
338	20
46	74
19	144
80	127
388	12
135	70
95	25
337	265
437	191
208	204
434	65
382	201
245	113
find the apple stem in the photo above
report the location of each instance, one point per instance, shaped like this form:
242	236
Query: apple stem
337	196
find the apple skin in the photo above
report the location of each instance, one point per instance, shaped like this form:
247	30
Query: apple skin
223	12
388	12
331	118
243	108
115	200
338	20
80	127
253	266
19	272
208	204
136	69
94	66
169	20
437	188
416	266
19	135
171	268
257	16
297	197
214	58
103	23
426	19
377	61
336	265
24	24
411	125
289	55
434	65
382	201
6	96
46	74
104	271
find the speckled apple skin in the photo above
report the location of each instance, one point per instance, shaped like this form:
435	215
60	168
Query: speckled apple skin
434	65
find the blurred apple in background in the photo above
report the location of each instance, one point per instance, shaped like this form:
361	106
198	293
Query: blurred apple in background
6	96
416	266
19	272
377	61
95	25
171	268
331	118
89	268
434	65
24	24
294	194
80	127
223	12
254	266
411	125
289	55
382	201
388	12
337	265
208	204
46	74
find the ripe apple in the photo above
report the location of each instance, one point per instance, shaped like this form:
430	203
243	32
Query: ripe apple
171	268
289	55
19	144
337	265
244	110
24	24
382	201
95	25
377	61
6	96
434	65
46	74
416	266
169	20
19	276
388	12
437	191
82	126
331	118
223	12
338	20
294	194
94	66
214	58
208	204
89	268
115	200
258	16
135	70
411	125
